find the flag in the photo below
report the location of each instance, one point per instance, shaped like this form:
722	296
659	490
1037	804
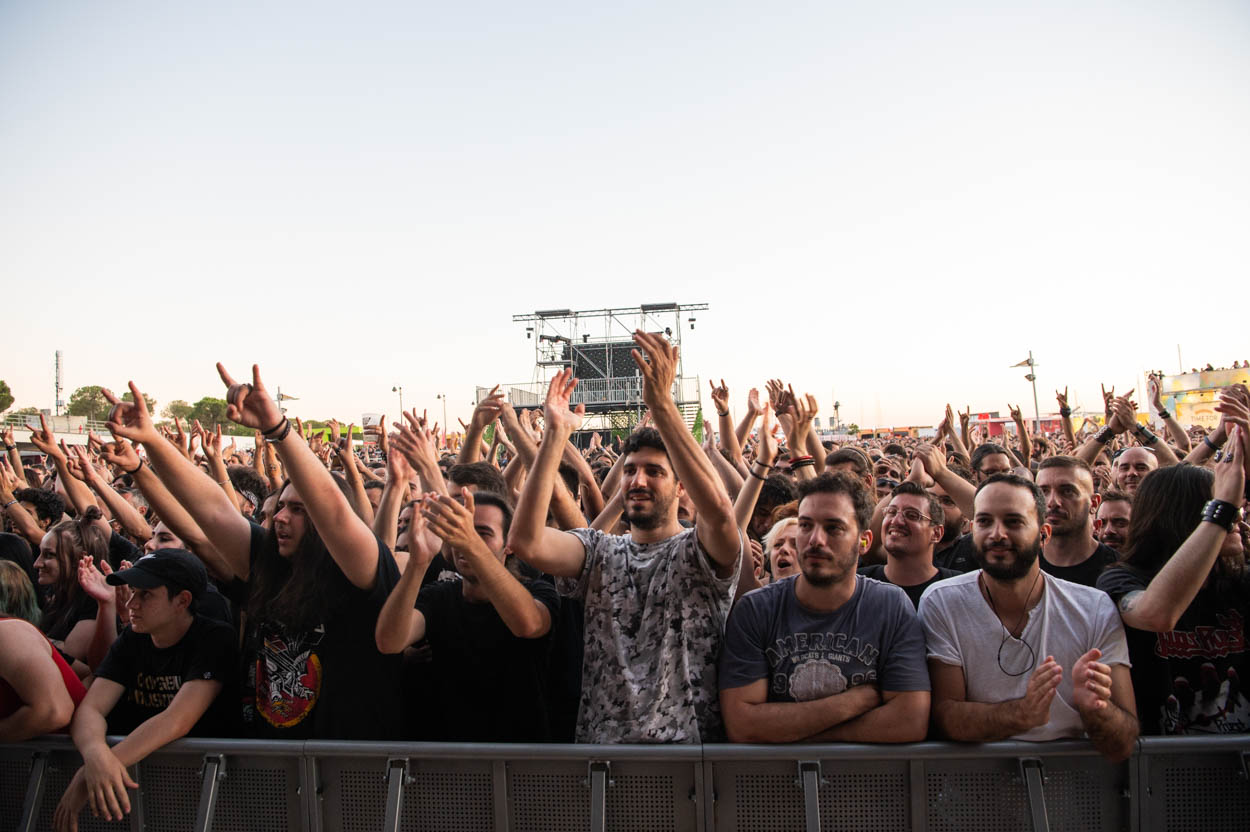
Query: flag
1028	362
283	397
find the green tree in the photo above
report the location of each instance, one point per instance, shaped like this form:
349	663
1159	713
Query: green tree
697	428
852	428
211	412
26	411
6	396
89	401
148	400
177	409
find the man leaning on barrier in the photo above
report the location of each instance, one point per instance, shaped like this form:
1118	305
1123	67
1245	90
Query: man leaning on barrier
1015	653
160	681
827	655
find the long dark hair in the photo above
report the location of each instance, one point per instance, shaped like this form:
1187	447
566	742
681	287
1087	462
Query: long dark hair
293	592
75	539
1166	510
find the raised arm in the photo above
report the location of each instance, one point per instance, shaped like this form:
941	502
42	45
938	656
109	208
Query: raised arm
23	523
417	443
399	622
91	579
201	498
486	411
729	444
1065	416
76	492
211	442
523	614
349	539
715	518
359	499
128	516
748	420
14	457
386	520
1160	605
549	550
1174	429
955	486
1026	445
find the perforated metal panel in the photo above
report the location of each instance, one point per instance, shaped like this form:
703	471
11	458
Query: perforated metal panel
14	773
641	796
359	797
259	795
1199	793
873	800
448	801
967	797
549	802
171	793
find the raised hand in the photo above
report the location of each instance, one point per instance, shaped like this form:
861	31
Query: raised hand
423	544
658	367
180	439
1091	682
556	411
417	443
121	453
1034	707
336	431
7	436
766	449
753	402
452	521
250	405
1123	414
487	410
1155	391
92	580
720	396
131	420
931	458
1062	398
8	479
45	441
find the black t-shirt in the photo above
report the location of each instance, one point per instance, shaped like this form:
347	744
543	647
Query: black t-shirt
121	549
1087	571
439	569
490	686
959	556
152	676
1191	680
877	570
61	620
330	681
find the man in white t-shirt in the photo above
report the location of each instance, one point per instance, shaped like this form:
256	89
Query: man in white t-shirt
1015	653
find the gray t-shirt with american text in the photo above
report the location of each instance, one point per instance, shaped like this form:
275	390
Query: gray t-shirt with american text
655	615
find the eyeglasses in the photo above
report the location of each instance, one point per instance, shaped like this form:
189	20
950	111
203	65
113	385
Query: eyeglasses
909	514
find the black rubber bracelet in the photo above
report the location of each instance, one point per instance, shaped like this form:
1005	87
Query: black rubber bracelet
1210	444
265	432
136	469
751	471
285	427
1065	412
1164	415
1221	513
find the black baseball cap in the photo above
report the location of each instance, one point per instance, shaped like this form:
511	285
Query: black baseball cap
177	569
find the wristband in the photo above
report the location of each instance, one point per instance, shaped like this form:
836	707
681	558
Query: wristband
1221	513
1146	437
9	503
751	471
802	463
1164	415
1065	412
1210	444
9	447
284	426
265	432
722	413
795	459
1104	436
136	468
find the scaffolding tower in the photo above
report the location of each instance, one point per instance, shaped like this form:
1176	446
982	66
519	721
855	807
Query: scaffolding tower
596	343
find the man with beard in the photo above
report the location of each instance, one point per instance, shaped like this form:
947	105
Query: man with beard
1015	653
1111	521
827	655
1071	552
656	598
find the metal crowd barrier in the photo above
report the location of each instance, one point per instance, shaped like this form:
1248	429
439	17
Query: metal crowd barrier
202	785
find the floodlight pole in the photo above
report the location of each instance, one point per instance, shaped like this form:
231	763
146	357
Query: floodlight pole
1037	416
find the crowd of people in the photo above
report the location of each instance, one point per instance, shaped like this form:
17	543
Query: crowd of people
757	586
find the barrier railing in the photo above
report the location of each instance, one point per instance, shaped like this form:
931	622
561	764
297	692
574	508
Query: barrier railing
1168	784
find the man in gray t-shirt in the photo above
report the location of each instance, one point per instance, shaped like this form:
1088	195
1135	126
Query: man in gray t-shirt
826	655
655	599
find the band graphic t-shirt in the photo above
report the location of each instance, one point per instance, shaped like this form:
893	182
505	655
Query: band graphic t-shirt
872	639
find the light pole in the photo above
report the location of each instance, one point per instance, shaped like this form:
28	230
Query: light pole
1031	376
443	396
399	388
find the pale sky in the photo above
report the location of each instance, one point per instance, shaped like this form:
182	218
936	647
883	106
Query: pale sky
887	204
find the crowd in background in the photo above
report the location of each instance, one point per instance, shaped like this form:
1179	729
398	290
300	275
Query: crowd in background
538	584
